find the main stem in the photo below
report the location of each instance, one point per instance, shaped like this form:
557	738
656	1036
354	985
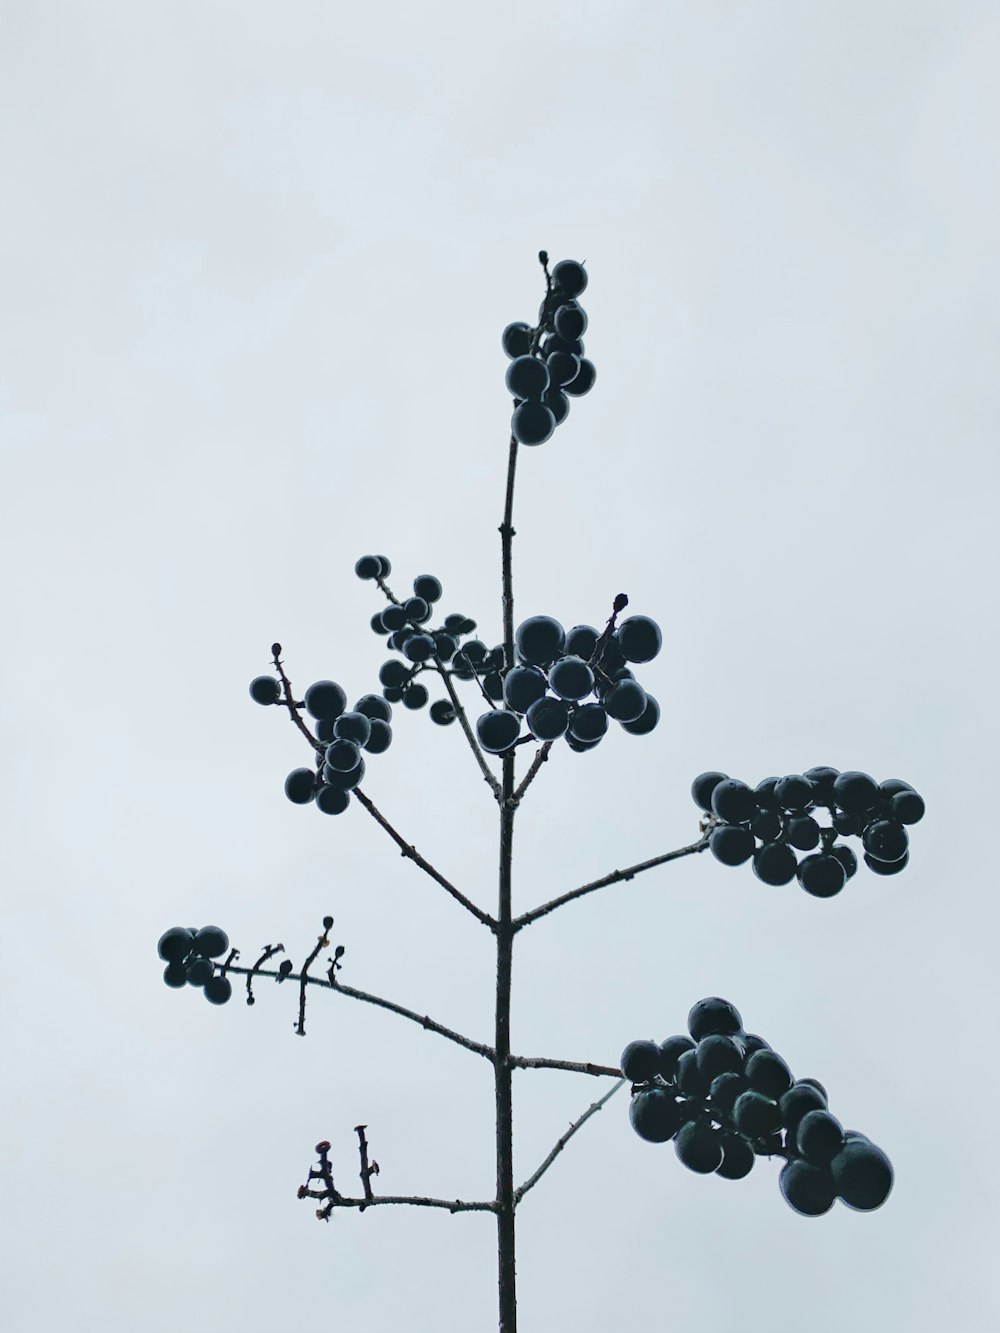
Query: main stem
505	952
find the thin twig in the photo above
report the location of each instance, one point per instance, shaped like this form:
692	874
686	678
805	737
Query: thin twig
573	1066
522	1190
411	853
368	1169
289	700
536	763
269	951
452	1205
616	875
422	1020
322	943
460	713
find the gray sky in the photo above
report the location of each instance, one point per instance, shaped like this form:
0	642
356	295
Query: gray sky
255	266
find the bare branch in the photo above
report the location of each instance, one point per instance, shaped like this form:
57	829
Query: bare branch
456	703
522	1190
616	875
452	1205
542	1062
422	1020
536	763
411	853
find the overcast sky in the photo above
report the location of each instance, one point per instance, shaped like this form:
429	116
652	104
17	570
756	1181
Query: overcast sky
255	263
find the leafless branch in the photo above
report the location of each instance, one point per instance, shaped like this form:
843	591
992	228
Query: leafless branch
411	853
522	1190
616	875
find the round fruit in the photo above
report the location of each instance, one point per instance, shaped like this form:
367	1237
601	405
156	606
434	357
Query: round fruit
539	640
571	678
175	974
643	725
802	832
353	726
415	695
886	840
527	377
581	641
823	876
332	801
737	1157
733	801
334	777
625	701
717	1055
795	793
300	785
589	722
532	423
570	277
443	712
379	736
671	1051
265	690
854	792
846	857
325	699
368	567
373	706
732	844
174	944
640	1060
862	1174
807	1188
713	1015
703	787
819	1136
516	339
583	380
906	806
766	1072
699	1147
689	1078
498	730
654	1115
639	638
774	863
218	989
822	780
726	1088
754	1114
547	718
211	942
570	321
199	971
764	792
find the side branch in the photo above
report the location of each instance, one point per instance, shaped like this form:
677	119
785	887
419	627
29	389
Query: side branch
522	1190
541	755
429	1024
542	1062
616	875
460	713
416	1201
411	853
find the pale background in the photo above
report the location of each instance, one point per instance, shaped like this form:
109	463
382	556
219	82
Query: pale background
255	264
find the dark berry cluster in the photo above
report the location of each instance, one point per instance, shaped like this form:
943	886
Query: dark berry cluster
188	955
405	625
773	821
556	674
545	372
725	1098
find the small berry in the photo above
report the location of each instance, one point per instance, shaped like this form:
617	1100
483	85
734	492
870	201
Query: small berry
265	690
300	785
368	567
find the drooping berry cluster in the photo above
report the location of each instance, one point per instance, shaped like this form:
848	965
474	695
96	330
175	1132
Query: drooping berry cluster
188	954
773	821
545	372
558	672
724	1097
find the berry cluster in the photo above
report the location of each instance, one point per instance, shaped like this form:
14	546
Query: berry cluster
778	817
188	955
405	625
557	672
725	1097
543	375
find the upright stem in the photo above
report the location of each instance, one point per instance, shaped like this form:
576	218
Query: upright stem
505	952
505	1126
